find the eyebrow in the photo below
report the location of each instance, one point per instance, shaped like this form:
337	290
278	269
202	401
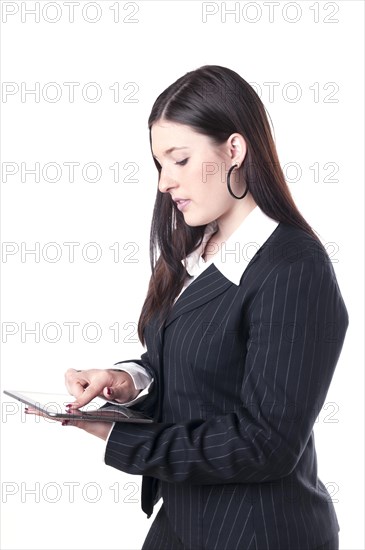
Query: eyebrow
168	151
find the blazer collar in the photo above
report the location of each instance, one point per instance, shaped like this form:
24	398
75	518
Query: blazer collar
227	266
204	288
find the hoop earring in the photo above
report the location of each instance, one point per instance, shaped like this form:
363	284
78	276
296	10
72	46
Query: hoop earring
229	184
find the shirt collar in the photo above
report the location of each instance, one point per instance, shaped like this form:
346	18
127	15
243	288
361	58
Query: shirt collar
234	255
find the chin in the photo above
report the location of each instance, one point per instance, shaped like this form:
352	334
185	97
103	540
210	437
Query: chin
194	222
197	221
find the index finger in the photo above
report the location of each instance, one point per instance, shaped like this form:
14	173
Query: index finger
76	383
85	395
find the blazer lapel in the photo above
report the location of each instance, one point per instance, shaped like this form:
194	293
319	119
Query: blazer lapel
204	288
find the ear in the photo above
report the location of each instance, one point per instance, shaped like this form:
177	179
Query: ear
237	148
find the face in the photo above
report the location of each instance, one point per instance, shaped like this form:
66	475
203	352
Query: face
196	170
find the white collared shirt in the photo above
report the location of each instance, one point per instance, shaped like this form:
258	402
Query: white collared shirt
234	255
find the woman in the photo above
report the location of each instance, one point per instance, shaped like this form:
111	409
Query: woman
243	323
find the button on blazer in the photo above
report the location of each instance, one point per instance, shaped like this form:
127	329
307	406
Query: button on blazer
241	373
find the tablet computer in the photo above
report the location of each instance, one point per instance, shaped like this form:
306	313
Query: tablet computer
53	405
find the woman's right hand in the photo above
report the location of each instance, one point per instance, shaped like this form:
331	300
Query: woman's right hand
113	385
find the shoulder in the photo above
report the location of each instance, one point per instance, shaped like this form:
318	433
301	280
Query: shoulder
289	253
294	278
288	245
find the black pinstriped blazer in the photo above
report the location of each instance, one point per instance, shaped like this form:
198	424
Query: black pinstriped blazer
241	374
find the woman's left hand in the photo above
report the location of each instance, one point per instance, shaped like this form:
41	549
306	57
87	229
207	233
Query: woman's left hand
99	429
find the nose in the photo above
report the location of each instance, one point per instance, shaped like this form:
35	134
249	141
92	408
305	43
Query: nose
166	183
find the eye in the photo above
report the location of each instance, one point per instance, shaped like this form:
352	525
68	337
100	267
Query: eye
182	162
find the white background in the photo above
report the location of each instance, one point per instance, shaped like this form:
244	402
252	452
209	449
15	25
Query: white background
166	40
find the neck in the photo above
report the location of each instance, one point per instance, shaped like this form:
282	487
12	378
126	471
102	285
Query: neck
226	226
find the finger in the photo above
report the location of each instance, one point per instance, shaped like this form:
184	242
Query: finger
77	384
85	397
85	385
77	381
31	410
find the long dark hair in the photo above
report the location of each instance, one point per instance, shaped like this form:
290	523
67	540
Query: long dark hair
216	102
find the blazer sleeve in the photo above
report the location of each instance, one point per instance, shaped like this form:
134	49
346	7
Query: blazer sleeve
298	322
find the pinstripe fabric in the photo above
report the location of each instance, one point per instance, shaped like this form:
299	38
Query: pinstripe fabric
241	374
161	536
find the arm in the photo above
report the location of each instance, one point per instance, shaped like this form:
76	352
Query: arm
298	322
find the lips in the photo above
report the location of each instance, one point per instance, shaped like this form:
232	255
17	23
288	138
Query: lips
181	203
179	199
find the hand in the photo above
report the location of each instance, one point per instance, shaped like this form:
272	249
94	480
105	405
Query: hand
99	429
113	385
